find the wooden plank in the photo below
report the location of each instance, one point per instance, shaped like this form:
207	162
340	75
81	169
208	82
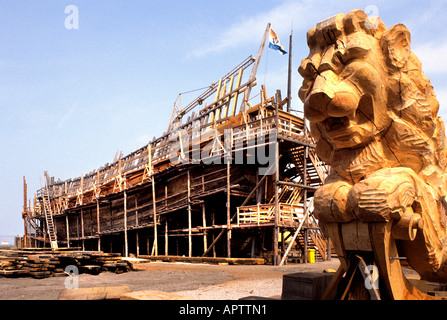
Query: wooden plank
214	260
94	293
152	295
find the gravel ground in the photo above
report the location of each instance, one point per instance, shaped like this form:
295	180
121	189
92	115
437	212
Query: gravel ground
196	281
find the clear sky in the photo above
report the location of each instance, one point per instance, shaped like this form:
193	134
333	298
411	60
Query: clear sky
70	98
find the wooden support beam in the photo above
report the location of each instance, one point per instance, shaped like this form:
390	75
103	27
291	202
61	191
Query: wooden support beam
232	111
276	228
25	213
68	231
82	229
205	240
214	243
297	185
126	245
154	206
137	240
226	105
166	237
189	216
228	212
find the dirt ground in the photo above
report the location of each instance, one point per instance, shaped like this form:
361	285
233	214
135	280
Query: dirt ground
196	281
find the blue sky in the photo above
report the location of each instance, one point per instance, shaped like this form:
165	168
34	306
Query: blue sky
69	99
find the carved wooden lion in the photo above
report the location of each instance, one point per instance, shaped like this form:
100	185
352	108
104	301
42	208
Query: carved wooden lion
374	116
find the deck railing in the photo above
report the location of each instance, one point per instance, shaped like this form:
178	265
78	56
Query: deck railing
289	214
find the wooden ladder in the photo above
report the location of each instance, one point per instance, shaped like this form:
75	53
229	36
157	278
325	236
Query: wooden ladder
49	217
315	169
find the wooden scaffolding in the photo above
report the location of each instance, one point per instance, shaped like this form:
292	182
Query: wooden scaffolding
225	183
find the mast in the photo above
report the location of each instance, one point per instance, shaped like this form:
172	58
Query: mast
289	75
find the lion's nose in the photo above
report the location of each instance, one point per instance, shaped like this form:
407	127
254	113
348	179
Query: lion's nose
326	100
343	104
315	106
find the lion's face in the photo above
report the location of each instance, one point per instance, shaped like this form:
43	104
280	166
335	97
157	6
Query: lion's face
344	92
345	82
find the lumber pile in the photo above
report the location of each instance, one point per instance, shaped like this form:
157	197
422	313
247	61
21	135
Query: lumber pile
43	264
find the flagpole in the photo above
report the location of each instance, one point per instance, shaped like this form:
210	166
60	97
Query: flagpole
289	80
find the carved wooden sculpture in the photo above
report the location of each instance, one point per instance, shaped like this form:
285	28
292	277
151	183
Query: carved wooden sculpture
374	116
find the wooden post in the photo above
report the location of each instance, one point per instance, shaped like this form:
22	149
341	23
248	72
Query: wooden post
82	229
306	150
136	211
228	212
166	222
305	201
126	247
98	225
213	218
91	222
98	228
306	234
111	213
68	231
232	111
276	228
137	243
148	243
166	196
205	240
189	217
77	230
137	239
25	235
154	206
166	237
25	213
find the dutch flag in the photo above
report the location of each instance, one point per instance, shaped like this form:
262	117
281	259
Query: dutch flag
274	42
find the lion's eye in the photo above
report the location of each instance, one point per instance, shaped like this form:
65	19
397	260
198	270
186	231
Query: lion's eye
308	69
353	53
315	71
337	59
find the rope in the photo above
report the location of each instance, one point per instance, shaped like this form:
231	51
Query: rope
194	90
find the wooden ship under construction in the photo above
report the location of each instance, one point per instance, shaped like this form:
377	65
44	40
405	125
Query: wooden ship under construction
229	178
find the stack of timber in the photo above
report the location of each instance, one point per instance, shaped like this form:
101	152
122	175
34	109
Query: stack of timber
42	264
